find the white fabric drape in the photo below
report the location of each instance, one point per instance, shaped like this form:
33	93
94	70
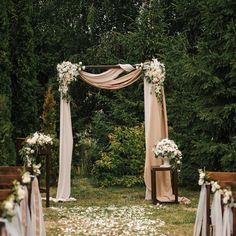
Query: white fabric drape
216	214
227	221
66	148
200	222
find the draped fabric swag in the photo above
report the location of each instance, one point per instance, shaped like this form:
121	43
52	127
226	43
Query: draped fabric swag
155	128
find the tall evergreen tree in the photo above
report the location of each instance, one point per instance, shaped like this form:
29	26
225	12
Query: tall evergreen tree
24	84
213	76
6	145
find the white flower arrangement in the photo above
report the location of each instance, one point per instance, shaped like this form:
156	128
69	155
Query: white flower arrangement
168	148
38	139
26	178
202	177
67	73
36	169
17	195
154	73
7	207
32	145
19	191
227	196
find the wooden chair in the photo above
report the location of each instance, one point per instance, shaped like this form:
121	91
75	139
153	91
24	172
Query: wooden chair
225	179
11	170
8	174
4	194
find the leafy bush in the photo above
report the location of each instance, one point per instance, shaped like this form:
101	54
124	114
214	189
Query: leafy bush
123	162
86	152
7	149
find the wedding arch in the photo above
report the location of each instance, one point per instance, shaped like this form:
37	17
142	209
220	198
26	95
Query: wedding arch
117	77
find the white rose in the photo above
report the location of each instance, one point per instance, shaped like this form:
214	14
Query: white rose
8	205
36	169
225	200
200	181
20	193
26	177
202	175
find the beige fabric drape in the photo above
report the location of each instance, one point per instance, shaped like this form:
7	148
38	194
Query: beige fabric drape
104	82
156	128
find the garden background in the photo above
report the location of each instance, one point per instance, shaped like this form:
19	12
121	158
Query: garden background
195	39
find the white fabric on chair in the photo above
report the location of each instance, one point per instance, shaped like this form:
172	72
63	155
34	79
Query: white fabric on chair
26	217
216	214
37	221
200	222
227	221
15	228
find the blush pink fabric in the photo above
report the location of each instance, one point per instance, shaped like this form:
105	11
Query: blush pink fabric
156	128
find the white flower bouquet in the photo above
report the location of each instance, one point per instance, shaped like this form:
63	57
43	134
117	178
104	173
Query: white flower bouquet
17	195
7	207
167	148
154	72
32	145
39	139
67	73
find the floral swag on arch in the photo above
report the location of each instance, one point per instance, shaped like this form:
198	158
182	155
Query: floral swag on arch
117	77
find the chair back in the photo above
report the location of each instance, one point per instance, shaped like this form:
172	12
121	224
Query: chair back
225	179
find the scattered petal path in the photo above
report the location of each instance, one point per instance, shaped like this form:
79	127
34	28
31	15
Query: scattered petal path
109	221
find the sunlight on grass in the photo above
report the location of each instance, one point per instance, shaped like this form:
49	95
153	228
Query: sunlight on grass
118	211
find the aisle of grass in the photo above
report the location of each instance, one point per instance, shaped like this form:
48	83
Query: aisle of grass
108	206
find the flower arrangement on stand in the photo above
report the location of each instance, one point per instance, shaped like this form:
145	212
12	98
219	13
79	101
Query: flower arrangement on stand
67	73
32	146
154	73
168	150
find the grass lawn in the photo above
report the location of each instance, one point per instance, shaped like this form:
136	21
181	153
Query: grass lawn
118	211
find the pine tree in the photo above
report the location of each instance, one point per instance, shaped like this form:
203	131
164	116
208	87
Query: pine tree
6	145
24	84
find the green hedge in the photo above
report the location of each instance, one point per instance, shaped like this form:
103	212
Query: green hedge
123	162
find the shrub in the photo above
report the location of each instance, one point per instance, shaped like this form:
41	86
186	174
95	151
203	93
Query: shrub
86	151
123	162
7	149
